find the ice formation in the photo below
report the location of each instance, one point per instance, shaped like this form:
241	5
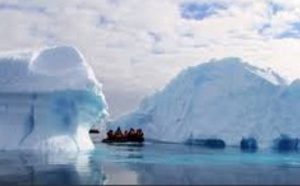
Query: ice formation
49	99
224	99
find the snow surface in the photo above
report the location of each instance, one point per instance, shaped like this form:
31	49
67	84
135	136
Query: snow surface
49	99
50	69
226	99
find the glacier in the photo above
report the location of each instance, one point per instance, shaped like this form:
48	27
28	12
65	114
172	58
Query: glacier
49	99
226	99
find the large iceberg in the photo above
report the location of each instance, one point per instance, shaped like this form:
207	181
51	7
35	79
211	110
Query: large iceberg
225	99
49	99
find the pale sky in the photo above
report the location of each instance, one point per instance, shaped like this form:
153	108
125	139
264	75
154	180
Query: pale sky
137	46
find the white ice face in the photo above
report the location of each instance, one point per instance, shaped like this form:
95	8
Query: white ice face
49	101
226	99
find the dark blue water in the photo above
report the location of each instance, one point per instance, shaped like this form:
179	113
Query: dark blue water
151	164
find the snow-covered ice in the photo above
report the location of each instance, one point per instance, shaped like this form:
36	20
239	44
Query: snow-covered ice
226	99
49	99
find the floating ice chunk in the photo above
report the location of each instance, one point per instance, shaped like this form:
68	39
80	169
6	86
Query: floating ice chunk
48	100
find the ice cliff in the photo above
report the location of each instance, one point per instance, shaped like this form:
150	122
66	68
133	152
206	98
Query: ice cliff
49	99
226	99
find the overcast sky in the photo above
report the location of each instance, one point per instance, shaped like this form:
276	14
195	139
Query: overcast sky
136	46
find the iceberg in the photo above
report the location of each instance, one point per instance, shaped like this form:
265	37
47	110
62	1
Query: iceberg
226	99
49	99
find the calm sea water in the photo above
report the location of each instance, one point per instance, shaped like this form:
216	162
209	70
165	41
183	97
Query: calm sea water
151	164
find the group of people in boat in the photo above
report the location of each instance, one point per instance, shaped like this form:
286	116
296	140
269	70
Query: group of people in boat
131	135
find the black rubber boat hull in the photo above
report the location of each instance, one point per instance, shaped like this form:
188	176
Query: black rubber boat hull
139	140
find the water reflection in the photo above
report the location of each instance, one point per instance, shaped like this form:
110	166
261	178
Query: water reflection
150	164
204	166
183	175
43	169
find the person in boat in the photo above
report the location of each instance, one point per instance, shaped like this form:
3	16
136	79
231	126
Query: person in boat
110	135
125	136
118	134
131	134
139	133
